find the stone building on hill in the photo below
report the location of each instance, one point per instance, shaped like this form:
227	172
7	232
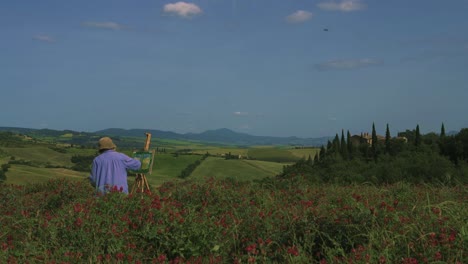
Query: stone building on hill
366	138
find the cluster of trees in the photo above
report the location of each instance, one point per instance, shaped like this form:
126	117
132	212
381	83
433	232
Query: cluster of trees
8	139
229	156
410	157
82	162
191	167
3	170
160	150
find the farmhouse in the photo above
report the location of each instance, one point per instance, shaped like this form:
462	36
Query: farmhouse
366	138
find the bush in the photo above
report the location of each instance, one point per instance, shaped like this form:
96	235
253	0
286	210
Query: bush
225	221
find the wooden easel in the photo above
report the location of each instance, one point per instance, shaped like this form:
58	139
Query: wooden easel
141	183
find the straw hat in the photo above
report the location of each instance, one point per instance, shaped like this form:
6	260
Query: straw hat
106	143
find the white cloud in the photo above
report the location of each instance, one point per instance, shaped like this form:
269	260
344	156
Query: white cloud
240	113
343	5
299	16
104	25
183	9
44	38
348	64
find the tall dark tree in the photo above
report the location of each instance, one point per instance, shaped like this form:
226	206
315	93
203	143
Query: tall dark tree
336	143
387	140
329	145
417	137
344	147
442	131
322	152
374	138
349	144
316	157
462	138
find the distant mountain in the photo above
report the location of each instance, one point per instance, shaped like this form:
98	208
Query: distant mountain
41	132
220	136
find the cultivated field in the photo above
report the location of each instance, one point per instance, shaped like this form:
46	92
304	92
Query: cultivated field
21	174
236	169
268	162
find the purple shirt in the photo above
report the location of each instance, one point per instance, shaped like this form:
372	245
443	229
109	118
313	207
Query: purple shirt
110	169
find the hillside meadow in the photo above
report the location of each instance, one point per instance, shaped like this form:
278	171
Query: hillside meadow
35	163
243	170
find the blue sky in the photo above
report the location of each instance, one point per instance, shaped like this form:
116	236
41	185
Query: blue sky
306	68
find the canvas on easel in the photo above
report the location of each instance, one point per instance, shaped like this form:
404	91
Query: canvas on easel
146	158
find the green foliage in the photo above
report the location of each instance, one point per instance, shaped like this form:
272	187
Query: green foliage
349	145
2	176
8	139
388	138
5	167
226	221
343	146
191	167
400	161
455	147
417	137
82	163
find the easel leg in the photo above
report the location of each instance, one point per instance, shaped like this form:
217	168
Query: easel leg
141	183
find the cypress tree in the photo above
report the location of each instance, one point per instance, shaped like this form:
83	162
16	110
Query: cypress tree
417	137
322	152
344	147
336	143
387	140
374	137
349	144
442	131
329	145
316	158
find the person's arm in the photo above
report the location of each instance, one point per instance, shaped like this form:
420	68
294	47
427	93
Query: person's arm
132	164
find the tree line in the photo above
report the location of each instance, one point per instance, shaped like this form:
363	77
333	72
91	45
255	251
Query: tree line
410	156
191	167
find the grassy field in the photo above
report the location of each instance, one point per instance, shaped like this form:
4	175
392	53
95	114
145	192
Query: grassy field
167	167
304	153
272	154
238	169
43	155
21	174
219	150
40	154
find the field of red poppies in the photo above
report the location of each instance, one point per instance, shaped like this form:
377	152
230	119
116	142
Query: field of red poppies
224	221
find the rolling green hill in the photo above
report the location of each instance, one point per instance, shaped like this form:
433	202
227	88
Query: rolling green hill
272	154
218	136
167	167
33	161
22	174
237	169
